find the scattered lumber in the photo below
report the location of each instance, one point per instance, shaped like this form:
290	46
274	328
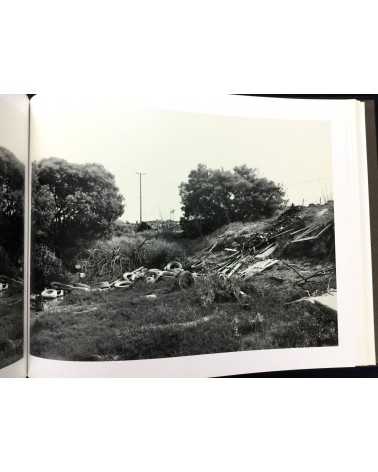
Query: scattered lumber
258	267
328	300
243	253
245	256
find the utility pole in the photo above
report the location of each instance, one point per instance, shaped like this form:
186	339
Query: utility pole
140	194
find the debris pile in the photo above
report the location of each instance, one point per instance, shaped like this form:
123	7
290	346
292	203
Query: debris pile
297	248
298	232
172	271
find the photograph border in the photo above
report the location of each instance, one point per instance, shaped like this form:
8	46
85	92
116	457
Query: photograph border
349	172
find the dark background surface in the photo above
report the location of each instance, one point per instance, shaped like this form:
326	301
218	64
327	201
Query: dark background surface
357	372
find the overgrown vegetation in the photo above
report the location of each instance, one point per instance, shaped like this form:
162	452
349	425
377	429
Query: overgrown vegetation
210	317
219	313
109	259
212	198
11	329
76	210
11	257
73	205
11	213
47	267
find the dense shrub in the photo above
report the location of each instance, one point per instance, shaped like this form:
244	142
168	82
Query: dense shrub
127	253
73	203
6	265
11	331
213	287
143	226
11	212
46	267
212	198
158	252
120	228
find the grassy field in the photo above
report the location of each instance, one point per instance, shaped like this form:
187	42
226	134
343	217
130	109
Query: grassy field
11	330
209	317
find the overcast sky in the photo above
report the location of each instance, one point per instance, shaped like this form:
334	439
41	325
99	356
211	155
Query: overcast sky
167	145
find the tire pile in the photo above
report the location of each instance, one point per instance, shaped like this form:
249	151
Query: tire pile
172	271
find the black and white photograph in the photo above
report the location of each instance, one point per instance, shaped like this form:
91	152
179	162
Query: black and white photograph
160	233
13	138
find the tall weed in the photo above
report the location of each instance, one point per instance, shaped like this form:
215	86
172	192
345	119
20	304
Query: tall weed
127	253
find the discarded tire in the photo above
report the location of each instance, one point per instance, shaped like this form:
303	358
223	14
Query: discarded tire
128	276
167	275
173	265
122	284
153	275
185	280
50	293
154	272
103	285
151	279
81	288
79	285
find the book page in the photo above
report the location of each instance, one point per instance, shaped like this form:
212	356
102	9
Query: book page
14	122
198	237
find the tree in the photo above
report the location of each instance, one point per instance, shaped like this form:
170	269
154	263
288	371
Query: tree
211	198
255	197
73	203
11	205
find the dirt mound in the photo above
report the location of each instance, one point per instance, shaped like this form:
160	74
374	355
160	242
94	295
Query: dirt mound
288	223
248	249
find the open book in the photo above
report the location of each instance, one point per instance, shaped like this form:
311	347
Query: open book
192	237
